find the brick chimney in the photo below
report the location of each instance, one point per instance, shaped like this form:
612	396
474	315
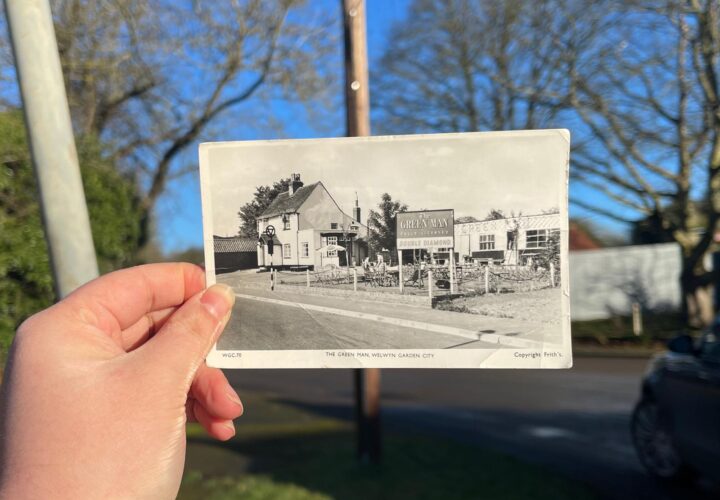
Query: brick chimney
356	209
295	183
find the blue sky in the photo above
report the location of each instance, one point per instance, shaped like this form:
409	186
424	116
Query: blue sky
179	222
178	213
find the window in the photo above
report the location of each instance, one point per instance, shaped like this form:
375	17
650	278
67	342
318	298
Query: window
286	222
333	225
332	240
537	238
487	242
305	249
286	251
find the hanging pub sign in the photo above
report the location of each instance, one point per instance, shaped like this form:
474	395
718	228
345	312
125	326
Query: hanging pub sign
425	229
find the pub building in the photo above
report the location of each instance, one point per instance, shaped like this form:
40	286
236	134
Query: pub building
310	227
509	241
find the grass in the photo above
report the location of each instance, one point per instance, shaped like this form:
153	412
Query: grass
301	455
617	331
250	487
542	306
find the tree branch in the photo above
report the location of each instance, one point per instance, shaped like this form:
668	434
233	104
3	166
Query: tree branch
600	211
211	110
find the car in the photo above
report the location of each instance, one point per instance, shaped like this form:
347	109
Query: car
675	425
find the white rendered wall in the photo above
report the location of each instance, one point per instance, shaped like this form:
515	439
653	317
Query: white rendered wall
607	281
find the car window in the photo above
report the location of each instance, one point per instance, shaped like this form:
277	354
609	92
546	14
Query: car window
710	348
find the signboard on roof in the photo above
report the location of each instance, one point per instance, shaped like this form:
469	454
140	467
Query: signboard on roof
426	229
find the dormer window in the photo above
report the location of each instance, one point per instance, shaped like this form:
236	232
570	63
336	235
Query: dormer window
286	221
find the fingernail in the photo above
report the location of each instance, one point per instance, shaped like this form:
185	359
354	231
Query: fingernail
232	396
229	425
218	299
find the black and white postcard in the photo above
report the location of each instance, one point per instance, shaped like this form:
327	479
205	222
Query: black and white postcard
437	251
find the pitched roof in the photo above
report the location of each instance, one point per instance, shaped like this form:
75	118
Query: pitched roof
284	203
232	244
581	239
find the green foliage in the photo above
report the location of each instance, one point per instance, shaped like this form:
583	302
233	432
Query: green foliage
383	233
114	207
247	487
25	281
285	452
495	214
194	255
263	197
25	278
551	253
658	327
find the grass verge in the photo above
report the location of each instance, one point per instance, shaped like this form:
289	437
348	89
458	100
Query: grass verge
541	306
618	331
313	457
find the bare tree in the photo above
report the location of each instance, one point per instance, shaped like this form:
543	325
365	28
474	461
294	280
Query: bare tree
635	81
646	94
152	77
463	65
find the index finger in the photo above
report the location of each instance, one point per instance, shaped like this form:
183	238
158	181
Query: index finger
118	300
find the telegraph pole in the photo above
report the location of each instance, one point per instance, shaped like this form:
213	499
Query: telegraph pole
50	135
357	105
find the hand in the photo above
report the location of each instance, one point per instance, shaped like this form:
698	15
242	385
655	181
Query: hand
98	387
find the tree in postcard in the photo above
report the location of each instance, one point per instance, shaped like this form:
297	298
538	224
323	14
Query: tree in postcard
263	197
381	224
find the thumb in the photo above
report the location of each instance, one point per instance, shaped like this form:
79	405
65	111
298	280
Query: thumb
184	341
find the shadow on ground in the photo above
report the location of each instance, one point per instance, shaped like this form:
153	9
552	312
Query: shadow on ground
311	454
324	464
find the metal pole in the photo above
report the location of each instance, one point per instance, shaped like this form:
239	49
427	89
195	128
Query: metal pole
52	145
357	105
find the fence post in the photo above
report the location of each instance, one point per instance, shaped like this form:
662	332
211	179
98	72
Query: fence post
400	270
307	277
452	271
354	279
430	284
637	319
487	279
552	274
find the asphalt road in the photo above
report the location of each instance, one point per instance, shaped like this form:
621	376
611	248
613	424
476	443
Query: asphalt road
274	326
573	421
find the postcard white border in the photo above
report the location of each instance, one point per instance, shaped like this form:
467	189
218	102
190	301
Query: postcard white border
544	356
